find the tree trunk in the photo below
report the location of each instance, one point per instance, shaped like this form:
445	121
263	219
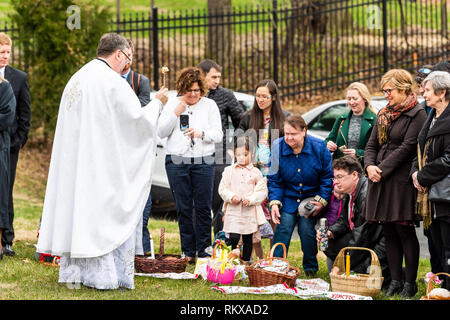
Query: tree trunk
312	23
218	46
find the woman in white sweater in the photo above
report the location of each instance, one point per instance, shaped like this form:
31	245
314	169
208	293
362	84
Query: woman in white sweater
192	125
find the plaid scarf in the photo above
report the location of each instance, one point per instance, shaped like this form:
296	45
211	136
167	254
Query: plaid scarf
387	115
423	206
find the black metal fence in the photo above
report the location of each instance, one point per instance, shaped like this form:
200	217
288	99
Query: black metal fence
307	47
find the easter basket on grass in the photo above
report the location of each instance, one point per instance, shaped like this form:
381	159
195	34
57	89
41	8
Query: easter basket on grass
163	263
436	293
272	270
361	284
222	266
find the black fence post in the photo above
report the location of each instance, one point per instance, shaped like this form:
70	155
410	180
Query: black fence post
385	37
155	47
275	40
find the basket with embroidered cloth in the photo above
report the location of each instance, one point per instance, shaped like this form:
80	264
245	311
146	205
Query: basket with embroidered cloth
272	270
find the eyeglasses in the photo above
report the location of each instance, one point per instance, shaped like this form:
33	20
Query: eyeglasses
387	91
193	91
424	70
339	178
128	58
263	97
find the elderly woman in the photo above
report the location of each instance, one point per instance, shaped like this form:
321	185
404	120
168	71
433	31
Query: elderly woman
192	125
390	198
300	168
7	111
352	130
432	165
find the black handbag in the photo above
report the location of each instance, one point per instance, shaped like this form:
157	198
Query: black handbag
440	191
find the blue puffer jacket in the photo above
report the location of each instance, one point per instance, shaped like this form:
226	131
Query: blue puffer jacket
294	177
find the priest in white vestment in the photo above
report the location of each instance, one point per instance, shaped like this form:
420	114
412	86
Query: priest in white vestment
100	173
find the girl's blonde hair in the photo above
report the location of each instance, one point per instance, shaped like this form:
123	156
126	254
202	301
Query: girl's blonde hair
364	93
401	79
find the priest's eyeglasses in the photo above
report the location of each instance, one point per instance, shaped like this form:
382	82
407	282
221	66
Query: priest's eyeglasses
128	58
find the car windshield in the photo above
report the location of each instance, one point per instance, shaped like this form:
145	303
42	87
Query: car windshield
325	121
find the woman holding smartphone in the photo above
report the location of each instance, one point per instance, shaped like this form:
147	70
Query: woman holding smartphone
192	125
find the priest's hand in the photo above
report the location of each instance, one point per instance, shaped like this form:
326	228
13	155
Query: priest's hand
162	95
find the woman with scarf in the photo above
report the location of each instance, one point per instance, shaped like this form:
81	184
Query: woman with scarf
432	166
390	196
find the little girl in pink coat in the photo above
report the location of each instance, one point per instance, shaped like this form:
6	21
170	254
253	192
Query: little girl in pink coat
242	189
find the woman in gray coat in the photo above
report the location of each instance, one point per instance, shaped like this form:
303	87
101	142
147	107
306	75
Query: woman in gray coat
7	112
390	195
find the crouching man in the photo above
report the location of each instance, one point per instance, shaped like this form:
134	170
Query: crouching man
351	229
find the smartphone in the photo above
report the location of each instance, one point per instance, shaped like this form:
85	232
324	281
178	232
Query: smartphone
184	122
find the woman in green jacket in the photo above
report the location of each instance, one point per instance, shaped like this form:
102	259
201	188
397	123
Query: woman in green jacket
351	131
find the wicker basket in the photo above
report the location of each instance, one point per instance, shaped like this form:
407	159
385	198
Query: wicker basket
259	277
430	287
361	284
164	263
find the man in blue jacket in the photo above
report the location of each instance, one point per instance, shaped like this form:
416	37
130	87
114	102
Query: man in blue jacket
300	168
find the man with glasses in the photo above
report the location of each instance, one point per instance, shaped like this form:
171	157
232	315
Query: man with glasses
138	82
19	129
100	173
351	229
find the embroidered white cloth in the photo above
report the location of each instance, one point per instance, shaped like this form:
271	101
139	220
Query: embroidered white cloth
100	170
284	289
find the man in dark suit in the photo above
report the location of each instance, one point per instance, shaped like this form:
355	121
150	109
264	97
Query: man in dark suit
19	129
141	86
